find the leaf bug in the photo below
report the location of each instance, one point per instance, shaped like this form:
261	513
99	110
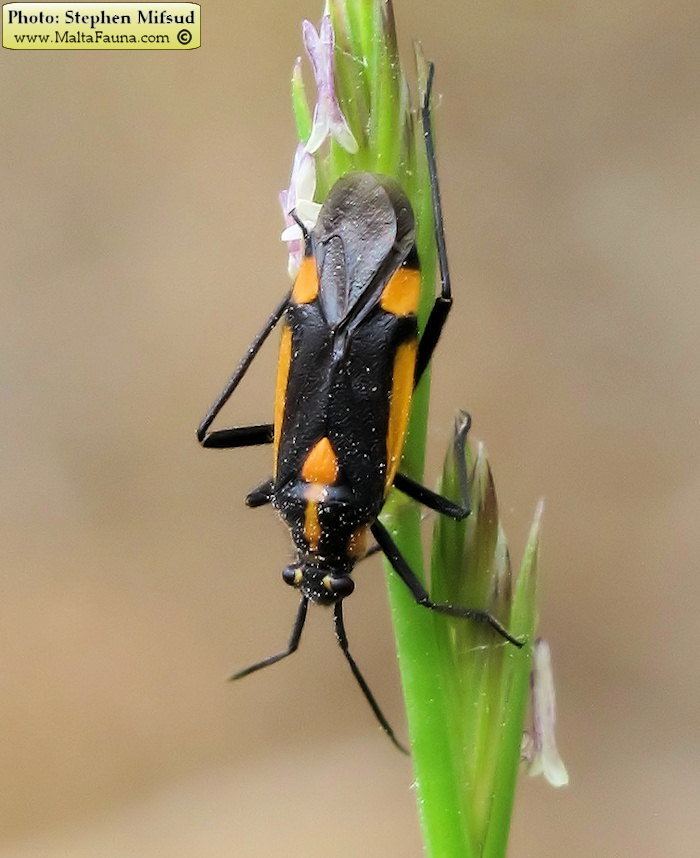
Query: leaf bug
350	358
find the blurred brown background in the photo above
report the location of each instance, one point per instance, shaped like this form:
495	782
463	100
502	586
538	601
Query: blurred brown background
140	252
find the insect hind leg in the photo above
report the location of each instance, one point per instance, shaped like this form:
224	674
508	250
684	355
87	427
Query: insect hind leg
443	303
240	436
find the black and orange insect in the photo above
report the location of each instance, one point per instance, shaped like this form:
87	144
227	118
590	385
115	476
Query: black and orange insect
350	358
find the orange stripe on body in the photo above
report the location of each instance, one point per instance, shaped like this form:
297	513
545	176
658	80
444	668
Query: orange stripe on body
312	526
306	284
320	470
321	465
400	406
401	294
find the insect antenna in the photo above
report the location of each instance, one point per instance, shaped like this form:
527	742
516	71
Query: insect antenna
291	647
343	641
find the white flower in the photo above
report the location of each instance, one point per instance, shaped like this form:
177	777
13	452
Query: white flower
328	117
299	199
539	746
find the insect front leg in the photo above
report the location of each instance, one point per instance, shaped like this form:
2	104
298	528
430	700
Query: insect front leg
240	436
420	594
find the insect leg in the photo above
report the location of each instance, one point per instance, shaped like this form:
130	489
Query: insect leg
443	505
420	594
292	646
343	641
430	499
240	436
260	495
443	303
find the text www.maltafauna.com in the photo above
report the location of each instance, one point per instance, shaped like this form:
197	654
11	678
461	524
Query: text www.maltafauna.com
66	37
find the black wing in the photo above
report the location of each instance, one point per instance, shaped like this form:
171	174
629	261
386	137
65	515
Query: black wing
364	232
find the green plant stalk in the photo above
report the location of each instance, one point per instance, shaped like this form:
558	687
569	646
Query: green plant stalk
422	658
514	698
471	566
451	544
421	663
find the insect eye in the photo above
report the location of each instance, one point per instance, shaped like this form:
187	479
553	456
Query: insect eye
341	586
292	575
